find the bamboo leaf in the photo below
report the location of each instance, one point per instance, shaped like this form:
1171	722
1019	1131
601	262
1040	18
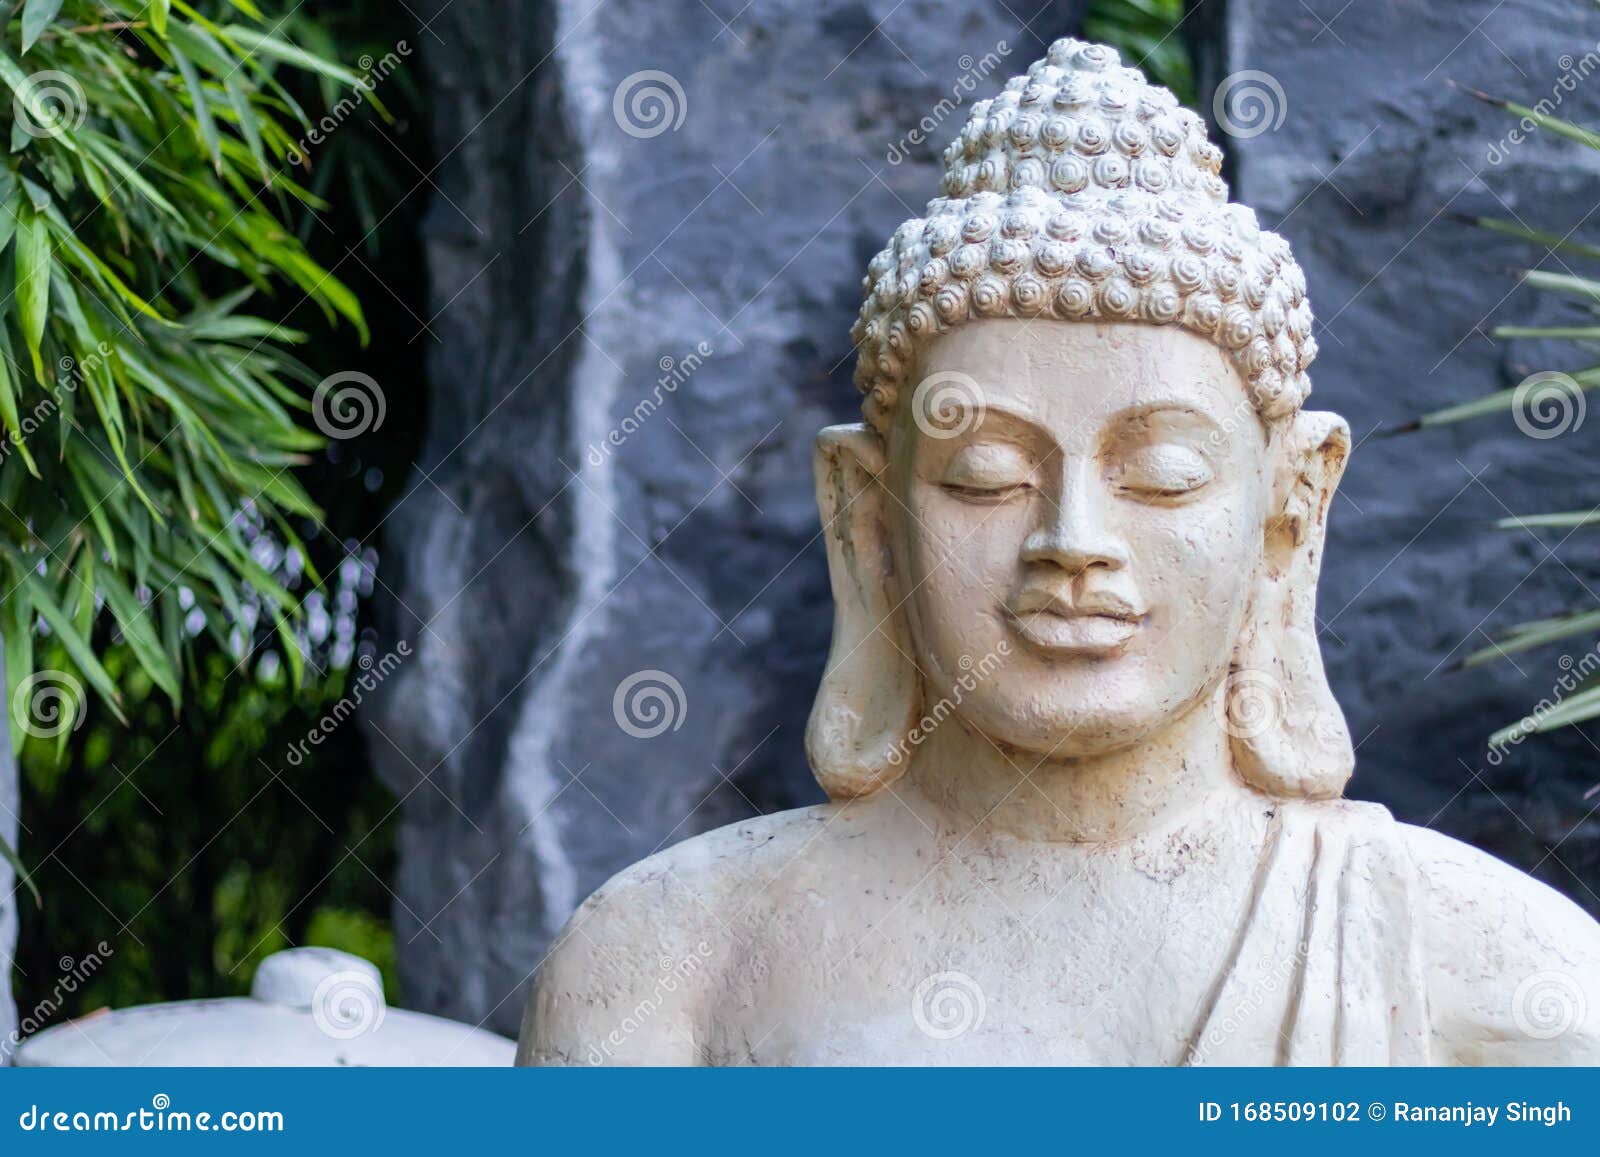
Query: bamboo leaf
204	125
1554	241
1562	521
291	649
77	646
170	421
9	392
43	113
19	654
134	620
270	46
114	160
17	866
1527	636
33	284
1564	283
1494	403
246	119
1561	128
1570	332
94	498
1575	709
10	206
37	15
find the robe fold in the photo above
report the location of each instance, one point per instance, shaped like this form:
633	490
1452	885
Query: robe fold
1326	965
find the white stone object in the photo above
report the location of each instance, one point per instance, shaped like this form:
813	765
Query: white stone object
307	1007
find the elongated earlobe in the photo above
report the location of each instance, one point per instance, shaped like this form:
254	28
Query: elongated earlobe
1289	736
870	691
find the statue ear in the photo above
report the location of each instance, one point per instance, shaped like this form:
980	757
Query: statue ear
869	694
1289	735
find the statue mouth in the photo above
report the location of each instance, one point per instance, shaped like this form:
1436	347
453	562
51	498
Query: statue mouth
1094	625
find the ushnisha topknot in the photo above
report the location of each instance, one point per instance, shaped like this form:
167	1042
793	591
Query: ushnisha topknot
1084	192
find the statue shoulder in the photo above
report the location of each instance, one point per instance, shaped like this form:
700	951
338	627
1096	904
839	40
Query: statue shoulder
627	979
708	879
1513	965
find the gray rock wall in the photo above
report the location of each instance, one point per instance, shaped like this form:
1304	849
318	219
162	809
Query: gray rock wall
642	324
1375	162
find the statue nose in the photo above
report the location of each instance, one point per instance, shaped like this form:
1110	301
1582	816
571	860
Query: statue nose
1075	534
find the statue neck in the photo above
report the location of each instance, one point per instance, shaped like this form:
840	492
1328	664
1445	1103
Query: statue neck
1149	787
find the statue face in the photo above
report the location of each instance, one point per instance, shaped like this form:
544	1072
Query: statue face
1081	515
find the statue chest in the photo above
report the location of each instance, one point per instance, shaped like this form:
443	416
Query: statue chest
963	972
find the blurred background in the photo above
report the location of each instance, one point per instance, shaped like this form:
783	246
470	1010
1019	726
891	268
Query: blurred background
598	260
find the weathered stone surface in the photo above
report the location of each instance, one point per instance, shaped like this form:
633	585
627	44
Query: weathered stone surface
1375	162
540	563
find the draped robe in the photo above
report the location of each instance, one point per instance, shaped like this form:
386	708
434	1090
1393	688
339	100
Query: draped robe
1325	965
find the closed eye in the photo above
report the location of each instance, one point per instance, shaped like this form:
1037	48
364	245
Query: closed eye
1162	470
988	472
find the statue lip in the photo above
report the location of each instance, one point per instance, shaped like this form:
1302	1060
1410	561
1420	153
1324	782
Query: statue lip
1099	623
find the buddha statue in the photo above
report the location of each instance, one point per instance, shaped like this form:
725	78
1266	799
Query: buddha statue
1084	765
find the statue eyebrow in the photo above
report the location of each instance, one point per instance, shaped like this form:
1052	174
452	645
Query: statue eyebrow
1151	409
1008	417
1017	416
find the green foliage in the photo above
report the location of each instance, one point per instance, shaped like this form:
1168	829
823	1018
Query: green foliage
153	422
1560	390
194	848
1146	32
192	843
358	171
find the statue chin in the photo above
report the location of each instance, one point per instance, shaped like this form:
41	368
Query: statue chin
1036	727
1084	762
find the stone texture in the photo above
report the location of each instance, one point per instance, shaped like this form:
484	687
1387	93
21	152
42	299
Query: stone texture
535	566
1375	163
